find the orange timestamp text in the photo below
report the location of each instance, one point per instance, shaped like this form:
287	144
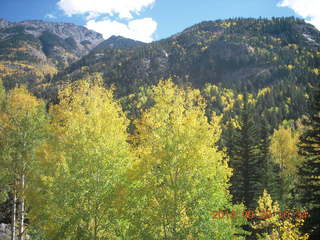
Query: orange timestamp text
262	214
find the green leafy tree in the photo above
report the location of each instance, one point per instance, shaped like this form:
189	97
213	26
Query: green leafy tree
3	189
81	179
22	131
2	92
181	175
284	152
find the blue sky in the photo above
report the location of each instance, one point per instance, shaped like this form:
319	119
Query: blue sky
149	20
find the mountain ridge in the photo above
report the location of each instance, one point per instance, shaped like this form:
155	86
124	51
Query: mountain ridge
218	52
117	42
237	54
37	49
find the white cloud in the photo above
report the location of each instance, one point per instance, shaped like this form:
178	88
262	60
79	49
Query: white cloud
50	16
93	10
124	8
139	29
92	15
309	9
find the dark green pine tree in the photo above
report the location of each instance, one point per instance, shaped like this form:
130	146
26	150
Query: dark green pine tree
309	172
245	180
268	179
228	140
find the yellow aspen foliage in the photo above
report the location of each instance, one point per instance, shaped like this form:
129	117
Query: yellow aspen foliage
290	67
284	152
316	71
222	97
88	156
204	48
2	93
266	209
22	120
274	226
183	176
263	92
287	157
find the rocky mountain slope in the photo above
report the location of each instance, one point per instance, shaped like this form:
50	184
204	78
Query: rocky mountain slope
281	55
274	60
117	42
30	50
235	53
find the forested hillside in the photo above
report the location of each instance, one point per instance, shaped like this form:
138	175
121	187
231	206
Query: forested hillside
274	60
237	53
209	134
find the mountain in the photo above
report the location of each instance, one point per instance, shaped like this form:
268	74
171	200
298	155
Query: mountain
275	60
30	50
117	42
236	53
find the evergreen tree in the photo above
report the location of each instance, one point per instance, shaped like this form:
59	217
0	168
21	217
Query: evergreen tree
228	140
268	176
245	180
309	172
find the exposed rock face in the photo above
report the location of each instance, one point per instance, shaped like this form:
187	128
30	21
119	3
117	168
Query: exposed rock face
63	30
3	23
36	49
85	39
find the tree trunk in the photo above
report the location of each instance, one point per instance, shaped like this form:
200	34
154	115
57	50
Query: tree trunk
95	228
22	209
14	213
